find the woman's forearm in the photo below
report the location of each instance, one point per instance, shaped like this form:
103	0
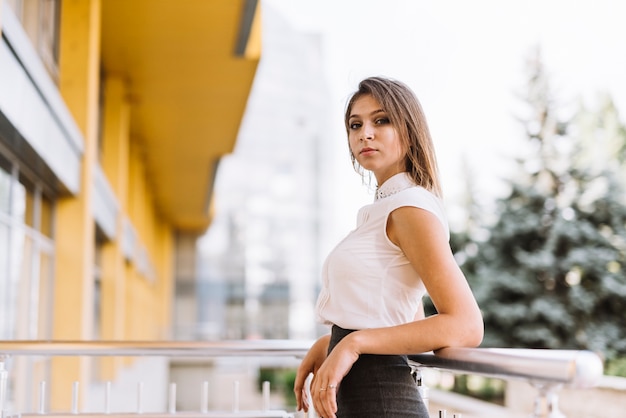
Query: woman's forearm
432	333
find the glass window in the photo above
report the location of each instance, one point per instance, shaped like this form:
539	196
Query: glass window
26	273
26	256
23	283
40	19
48	41
47	214
6	328
18	202
46	273
5	185
29	209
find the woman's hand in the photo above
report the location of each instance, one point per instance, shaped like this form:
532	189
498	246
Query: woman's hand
328	378
310	364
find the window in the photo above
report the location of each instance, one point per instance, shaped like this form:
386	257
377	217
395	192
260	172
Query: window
26	254
26	273
40	19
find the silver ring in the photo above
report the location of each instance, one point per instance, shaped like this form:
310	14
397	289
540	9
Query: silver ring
332	386
322	389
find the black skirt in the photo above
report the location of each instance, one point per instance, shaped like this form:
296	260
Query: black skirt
377	386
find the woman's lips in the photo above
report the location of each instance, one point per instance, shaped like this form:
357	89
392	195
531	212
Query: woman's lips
367	151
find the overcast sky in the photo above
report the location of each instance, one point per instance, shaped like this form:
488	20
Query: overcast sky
465	60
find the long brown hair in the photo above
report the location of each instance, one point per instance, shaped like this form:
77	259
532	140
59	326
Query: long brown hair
407	117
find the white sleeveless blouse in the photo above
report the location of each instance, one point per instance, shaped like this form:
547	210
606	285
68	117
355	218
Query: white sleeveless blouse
367	281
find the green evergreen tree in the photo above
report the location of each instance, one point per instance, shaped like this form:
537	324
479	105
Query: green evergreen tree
553	271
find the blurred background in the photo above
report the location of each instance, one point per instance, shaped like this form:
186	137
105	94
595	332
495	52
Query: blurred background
179	170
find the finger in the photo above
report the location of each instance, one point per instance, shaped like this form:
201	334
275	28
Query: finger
299	395
327	402
316	394
302	400
299	389
298	401
330	401
305	401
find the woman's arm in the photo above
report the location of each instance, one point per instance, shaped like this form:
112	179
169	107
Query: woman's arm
458	321
310	364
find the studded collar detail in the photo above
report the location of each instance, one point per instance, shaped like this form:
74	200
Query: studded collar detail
393	185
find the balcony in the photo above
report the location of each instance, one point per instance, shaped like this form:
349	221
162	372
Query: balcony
548	371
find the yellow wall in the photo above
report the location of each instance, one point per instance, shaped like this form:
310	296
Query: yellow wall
114	160
75	229
134	306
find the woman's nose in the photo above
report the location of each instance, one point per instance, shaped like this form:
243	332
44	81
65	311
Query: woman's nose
368	131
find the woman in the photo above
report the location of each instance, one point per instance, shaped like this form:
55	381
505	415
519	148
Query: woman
374	280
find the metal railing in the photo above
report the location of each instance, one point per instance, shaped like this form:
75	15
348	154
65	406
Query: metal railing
547	370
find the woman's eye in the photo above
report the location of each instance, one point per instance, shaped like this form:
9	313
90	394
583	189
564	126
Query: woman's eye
355	125
382	121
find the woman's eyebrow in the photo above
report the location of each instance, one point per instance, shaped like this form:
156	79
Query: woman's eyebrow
371	113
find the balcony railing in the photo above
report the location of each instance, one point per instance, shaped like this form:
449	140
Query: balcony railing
547	370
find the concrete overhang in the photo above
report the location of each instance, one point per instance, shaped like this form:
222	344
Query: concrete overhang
189	66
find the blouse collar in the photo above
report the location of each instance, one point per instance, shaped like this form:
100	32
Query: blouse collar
394	184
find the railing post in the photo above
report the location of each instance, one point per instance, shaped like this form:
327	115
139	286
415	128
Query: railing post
204	398
42	397
139	397
547	401
75	399
421	386
266	396
172	399
4	377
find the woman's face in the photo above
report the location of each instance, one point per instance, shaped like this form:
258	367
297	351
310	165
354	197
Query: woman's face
374	142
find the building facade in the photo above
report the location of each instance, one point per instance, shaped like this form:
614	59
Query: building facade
113	117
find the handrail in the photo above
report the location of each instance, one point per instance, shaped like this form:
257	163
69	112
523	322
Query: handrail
547	370
576	368
232	348
579	369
